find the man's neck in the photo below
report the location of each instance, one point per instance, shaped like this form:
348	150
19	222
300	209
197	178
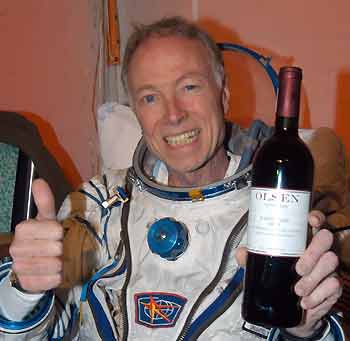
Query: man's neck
214	170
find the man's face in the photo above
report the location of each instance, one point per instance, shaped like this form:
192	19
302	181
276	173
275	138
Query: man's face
178	102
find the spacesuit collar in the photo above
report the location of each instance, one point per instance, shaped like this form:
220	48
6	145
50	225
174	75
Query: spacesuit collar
143	177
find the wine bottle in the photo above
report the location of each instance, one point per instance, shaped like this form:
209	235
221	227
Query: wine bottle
282	180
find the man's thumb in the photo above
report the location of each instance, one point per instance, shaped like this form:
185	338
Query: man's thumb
44	200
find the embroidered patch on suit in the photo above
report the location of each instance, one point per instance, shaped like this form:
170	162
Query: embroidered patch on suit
158	309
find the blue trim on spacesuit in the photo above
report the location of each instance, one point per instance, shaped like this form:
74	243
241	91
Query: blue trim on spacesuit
44	305
336	329
97	276
4	267
74	315
21	326
104	211
105	235
61	329
241	179
98	202
102	323
217	304
89	228
99	193
206	193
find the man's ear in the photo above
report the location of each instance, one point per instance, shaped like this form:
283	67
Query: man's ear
225	96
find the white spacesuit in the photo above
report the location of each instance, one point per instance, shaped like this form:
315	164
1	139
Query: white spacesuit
124	291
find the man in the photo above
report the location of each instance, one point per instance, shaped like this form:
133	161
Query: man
123	277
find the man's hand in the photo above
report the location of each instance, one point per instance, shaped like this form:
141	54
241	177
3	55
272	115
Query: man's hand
37	247
319	287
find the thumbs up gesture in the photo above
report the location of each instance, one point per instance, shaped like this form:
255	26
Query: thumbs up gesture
37	247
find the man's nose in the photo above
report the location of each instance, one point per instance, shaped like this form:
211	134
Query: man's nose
175	110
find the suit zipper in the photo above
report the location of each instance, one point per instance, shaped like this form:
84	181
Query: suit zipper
125	238
231	243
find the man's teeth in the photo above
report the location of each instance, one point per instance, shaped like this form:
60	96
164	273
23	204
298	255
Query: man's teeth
184	138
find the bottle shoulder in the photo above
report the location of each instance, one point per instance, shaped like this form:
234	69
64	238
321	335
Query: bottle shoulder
286	163
292	147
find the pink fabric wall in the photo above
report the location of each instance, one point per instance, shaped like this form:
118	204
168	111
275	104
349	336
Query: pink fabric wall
49	53
312	34
47	68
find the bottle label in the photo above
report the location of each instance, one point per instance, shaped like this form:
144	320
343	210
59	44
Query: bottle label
277	221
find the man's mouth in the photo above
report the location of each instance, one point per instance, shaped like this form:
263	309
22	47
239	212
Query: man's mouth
184	138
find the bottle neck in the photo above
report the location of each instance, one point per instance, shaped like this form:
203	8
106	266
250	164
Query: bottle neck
288	100
286	125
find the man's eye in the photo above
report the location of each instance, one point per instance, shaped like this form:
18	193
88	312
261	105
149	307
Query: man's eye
149	99
191	87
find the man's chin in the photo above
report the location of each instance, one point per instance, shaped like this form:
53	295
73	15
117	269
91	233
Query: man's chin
185	168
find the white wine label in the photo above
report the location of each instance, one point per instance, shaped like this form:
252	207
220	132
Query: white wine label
255	329
277	221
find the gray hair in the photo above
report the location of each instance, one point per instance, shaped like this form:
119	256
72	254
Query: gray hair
167	27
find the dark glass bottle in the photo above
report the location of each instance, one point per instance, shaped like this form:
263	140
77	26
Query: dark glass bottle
282	183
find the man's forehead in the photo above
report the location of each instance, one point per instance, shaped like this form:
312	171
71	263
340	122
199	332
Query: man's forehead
159	56
168	45
158	38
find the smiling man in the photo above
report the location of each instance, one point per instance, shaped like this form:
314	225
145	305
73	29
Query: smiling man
149	253
180	106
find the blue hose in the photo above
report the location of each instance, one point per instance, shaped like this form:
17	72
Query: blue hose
262	60
258	130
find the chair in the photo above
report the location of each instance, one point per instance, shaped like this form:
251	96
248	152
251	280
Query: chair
19	134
